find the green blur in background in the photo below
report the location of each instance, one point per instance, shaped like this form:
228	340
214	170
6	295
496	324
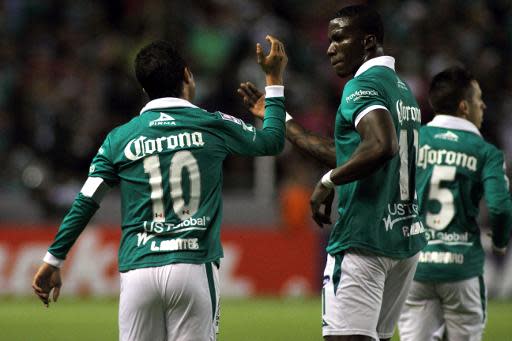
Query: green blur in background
267	319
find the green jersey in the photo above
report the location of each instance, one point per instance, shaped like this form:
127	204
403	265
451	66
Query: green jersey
379	213
456	167
168	165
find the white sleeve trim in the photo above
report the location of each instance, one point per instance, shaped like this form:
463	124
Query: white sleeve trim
95	188
366	111
52	260
274	91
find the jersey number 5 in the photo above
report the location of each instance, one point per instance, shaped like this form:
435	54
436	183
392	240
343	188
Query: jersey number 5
441	219
180	160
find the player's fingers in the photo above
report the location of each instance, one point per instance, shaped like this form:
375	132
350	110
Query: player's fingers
253	89
36	286
246	97
56	293
325	219
274	44
327	213
318	221
43	297
260	57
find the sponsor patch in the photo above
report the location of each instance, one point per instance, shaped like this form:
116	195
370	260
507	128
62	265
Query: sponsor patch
449	135
358	94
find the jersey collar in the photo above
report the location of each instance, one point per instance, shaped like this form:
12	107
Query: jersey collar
454	122
386	61
167	102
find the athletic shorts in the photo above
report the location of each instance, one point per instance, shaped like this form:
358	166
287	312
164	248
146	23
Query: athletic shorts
178	302
363	293
444	311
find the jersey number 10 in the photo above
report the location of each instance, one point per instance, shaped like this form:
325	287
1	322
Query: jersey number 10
179	161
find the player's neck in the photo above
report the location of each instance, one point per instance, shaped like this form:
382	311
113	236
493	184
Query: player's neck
378	52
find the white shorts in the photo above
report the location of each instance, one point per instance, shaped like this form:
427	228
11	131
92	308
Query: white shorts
363	293
178	302
444	311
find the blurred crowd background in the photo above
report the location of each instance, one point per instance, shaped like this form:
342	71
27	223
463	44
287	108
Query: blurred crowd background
66	78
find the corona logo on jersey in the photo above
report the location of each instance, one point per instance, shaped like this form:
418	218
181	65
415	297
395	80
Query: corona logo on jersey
143	146
429	156
407	113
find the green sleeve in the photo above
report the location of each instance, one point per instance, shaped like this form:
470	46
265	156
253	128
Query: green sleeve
243	139
360	95
74	222
102	165
497	197
86	202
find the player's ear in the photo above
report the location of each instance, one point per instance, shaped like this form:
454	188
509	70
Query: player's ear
463	108
369	42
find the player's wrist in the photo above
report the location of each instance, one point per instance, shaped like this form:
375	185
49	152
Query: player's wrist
327	181
274	80
52	260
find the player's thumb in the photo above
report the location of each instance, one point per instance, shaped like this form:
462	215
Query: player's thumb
260	57
56	293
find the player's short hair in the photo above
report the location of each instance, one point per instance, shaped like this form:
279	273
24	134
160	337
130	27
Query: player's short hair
448	88
160	70
365	18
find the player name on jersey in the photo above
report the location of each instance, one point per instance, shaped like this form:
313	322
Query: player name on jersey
428	156
142	146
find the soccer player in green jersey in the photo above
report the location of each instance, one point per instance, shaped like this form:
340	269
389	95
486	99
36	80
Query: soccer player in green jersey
168	164
374	245
456	168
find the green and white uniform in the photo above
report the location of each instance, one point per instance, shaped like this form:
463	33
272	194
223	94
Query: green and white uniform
456	167
378	215
168	165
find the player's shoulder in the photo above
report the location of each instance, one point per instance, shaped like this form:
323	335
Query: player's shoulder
124	128
491	150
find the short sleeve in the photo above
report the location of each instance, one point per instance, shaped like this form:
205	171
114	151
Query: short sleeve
361	96
102	165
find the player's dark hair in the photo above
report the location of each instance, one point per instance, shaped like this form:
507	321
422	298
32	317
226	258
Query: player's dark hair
364	18
160	70
448	88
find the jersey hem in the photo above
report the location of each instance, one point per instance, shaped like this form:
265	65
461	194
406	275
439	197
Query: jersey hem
133	266
427	279
376	251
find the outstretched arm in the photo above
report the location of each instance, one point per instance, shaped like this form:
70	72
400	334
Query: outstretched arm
319	147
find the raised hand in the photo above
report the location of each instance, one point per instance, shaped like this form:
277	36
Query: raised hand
253	99
274	63
47	279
